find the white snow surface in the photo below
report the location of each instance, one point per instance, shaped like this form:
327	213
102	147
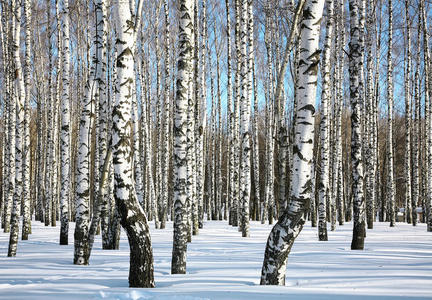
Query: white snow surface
396	263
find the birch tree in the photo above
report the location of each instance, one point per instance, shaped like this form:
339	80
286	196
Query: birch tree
324	190
291	222
408	114
132	217
184	68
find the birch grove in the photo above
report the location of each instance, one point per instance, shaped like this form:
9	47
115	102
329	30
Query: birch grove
174	114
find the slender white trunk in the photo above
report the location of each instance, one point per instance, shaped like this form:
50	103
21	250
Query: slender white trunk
390	179
324	190
17	126
355	67
408	114
167	106
245	172
26	145
428	116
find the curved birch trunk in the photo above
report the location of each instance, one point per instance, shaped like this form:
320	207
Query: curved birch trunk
167	105
268	205
236	143
245	173
355	68
290	224
369	124
26	227
408	115
416	134
65	132
19	96
338	162
82	202
390	179
132	217
428	116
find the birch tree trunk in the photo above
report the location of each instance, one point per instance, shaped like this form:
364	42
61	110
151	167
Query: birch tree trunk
390	179
324	190
428	116
5	210
26	227
133	219
82	202
340	33
178	263
355	67
19	96
268	205
167	105
200	116
101	114
408	114
290	224
65	131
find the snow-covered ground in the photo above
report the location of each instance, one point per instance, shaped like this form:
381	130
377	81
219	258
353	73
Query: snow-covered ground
396	263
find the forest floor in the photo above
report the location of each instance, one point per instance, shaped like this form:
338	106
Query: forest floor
396	263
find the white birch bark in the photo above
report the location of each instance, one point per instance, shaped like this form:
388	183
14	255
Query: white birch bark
101	124
428	116
178	263
230	114
416	133
369	121
268	205
19	95
5	140
245	172
26	227
65	131
82	199
408	113
390	173
324	189
55	140
132	217
236	142
167	108
291	222
355	67
201	115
